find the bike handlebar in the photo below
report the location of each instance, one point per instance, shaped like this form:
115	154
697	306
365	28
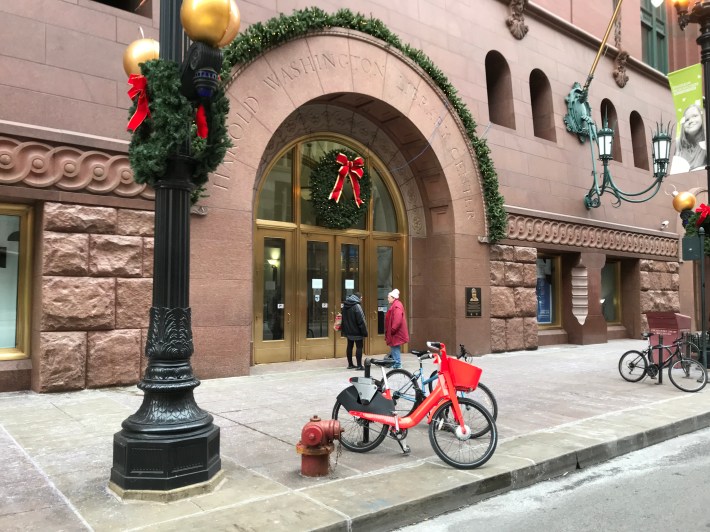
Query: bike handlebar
434	346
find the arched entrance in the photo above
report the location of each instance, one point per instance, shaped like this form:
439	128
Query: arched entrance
343	86
303	272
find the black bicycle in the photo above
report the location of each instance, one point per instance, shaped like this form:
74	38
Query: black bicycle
685	371
408	394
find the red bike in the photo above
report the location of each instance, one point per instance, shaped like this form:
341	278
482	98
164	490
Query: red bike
461	431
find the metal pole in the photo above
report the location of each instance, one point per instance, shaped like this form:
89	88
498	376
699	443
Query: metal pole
704	43
703	316
171	35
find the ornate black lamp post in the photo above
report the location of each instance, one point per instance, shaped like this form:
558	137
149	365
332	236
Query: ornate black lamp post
170	442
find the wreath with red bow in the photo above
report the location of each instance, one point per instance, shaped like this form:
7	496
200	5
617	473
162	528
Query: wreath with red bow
340	189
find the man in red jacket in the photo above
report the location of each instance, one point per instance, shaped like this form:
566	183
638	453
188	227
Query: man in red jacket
396	331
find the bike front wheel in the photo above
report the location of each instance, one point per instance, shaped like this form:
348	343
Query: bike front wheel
405	391
687	374
468	447
482	394
359	435
633	366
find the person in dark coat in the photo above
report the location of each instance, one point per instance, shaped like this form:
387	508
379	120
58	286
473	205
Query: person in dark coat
354	328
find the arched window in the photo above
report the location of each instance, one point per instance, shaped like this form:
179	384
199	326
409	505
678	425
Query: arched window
638	141
608	114
500	90
287	177
543	114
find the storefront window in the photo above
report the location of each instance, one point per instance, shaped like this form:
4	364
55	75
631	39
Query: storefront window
610	298
15	231
277	193
548	291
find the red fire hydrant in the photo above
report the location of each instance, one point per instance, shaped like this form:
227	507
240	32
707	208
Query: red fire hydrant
316	445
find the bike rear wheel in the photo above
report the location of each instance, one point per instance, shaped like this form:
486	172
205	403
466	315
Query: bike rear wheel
405	391
633	366
359	435
463	451
687	374
482	394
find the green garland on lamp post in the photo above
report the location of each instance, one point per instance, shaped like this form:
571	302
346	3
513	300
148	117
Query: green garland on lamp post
260	37
170	128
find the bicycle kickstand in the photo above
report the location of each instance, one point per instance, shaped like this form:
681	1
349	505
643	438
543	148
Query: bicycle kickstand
400	436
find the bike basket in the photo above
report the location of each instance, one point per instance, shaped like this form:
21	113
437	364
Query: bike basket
464	376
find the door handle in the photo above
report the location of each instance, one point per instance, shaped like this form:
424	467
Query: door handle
288	318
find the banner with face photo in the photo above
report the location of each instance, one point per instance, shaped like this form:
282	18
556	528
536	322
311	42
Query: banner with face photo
690	148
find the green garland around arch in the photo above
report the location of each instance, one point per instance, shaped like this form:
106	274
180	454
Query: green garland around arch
171	125
344	213
260	37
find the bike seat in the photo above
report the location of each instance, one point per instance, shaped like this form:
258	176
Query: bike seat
385	363
419	353
646	335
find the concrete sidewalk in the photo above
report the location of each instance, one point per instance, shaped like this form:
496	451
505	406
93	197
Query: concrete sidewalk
560	408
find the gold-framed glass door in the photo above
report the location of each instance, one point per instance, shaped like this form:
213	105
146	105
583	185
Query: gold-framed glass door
274	297
316	279
385	264
350	275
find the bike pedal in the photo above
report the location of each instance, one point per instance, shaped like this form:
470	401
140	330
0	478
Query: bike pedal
406	450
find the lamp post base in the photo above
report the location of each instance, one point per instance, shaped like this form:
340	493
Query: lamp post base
165	462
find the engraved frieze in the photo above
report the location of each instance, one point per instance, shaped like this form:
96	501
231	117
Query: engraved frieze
39	165
529	229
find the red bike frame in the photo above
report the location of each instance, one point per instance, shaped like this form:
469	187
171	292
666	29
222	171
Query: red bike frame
440	393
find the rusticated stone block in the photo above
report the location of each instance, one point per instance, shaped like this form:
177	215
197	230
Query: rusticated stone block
513	274
502	302
673	267
62	359
135	223
65	254
79	218
497	336
530	275
659	301
526	255
133	301
530	333
77	303
525	302
497	273
514	334
113	358
148	251
675	281
645	280
116	256
504	253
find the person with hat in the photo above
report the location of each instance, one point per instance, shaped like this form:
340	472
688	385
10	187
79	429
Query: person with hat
396	331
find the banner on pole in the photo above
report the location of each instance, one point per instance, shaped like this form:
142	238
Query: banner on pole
690	147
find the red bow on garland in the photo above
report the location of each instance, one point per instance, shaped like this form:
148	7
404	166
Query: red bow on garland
704	211
201	121
139	88
351	169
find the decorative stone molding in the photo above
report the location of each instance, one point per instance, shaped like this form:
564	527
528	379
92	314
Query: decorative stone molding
543	231
39	165
516	20
619	71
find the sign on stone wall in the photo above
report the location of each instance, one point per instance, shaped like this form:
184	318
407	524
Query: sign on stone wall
473	302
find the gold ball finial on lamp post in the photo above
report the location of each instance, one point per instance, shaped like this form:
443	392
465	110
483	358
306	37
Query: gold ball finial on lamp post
214	22
683	203
138	52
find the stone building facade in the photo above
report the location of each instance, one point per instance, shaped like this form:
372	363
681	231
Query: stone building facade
265	280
